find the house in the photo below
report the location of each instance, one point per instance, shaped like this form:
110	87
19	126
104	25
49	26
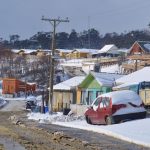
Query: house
63	52
108	50
95	84
38	52
13	87
43	52
65	93
81	53
140	47
138	82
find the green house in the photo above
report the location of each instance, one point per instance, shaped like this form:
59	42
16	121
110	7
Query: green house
95	84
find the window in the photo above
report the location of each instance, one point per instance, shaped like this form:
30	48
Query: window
90	97
99	93
96	103
105	102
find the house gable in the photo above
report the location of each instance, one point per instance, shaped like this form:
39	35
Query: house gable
136	49
90	82
140	47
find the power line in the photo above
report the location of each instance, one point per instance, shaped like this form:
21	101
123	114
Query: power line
54	23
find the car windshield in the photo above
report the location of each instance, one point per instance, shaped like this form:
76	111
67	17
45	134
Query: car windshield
97	101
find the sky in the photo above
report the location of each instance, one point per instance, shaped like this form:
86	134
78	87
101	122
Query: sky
23	17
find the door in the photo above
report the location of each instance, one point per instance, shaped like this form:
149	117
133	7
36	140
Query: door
93	113
103	110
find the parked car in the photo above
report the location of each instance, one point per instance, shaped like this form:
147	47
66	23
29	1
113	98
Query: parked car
115	107
31	102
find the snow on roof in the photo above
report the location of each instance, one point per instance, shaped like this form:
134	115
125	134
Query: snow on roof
123	96
44	50
31	83
106	79
111	69
28	51
124	50
15	50
145	45
69	84
107	48
84	50
138	76
72	62
125	85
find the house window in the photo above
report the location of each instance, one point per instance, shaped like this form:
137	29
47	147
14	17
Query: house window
83	97
99	93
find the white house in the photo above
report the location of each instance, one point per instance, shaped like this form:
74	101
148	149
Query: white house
110	49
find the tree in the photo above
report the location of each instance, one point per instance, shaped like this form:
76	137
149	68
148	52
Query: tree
94	38
73	40
14	38
62	40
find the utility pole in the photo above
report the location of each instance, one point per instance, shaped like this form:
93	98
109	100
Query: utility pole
54	23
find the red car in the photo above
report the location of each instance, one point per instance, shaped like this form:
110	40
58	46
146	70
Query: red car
115	107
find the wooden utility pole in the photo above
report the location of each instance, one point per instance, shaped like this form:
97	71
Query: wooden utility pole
54	23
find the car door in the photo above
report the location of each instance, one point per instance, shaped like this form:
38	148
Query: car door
93	113
103	110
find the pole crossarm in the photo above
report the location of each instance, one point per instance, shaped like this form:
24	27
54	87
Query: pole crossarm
54	23
57	21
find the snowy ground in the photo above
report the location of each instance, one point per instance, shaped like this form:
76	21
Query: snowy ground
137	131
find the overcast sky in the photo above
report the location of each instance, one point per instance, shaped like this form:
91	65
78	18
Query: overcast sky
23	17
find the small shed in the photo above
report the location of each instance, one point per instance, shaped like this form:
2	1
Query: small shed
108	50
65	93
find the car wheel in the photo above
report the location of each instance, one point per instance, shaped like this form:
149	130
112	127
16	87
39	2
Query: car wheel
88	120
109	120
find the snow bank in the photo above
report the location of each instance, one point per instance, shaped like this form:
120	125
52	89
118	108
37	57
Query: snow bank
54	117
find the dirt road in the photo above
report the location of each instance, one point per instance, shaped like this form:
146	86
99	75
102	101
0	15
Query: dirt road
34	136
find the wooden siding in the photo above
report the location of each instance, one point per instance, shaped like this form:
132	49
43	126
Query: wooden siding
136	49
12	86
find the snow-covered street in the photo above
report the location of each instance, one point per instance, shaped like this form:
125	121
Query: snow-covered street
132	131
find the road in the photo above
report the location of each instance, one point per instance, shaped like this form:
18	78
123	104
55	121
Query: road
31	135
94	139
14	105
